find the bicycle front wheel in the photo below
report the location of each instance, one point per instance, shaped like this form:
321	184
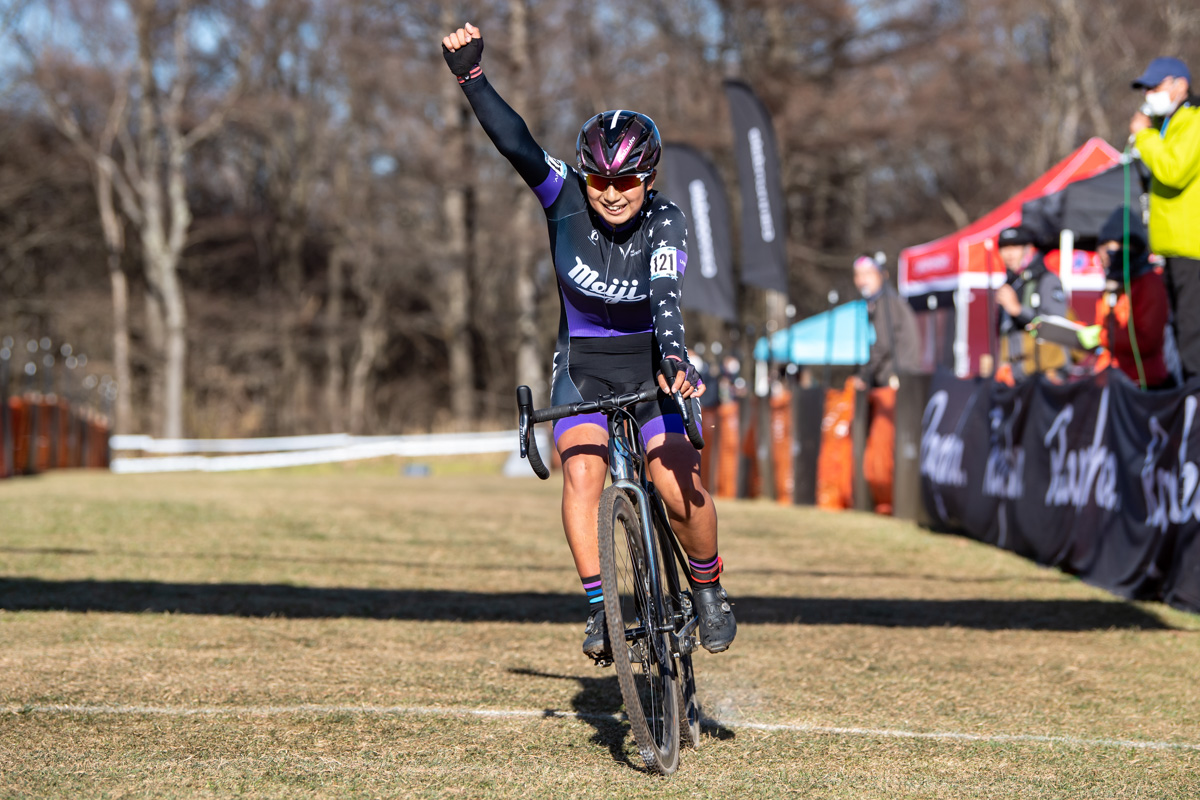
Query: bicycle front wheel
637	627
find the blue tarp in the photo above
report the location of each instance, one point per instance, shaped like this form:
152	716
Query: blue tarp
840	336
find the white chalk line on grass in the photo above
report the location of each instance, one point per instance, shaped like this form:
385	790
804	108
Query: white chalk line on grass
485	713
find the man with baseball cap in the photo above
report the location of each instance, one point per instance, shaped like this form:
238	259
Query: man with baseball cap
1166	132
1029	291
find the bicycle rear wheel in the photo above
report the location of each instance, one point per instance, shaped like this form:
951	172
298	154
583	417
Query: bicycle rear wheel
637	621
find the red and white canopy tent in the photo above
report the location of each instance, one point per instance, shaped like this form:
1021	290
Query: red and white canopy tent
964	264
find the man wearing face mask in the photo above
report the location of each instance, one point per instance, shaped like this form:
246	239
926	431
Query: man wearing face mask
1143	308
896	348
1166	132
1029	291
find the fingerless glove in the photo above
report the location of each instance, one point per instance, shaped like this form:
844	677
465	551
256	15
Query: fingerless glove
465	60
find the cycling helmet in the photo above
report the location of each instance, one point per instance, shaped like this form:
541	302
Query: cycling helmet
618	143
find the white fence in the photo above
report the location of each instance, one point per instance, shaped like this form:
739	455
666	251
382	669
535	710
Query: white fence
218	455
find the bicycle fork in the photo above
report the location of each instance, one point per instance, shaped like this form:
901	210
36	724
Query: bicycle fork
682	640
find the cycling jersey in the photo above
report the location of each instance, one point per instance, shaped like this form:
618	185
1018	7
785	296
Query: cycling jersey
613	282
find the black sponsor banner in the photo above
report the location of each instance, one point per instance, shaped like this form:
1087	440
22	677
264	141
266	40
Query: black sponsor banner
693	183
764	259
1094	477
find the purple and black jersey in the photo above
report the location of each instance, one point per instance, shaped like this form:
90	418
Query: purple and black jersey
619	284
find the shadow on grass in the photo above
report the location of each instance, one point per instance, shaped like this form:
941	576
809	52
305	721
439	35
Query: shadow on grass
307	602
598	703
1047	576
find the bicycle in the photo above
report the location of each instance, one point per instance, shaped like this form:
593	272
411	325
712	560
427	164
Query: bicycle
646	607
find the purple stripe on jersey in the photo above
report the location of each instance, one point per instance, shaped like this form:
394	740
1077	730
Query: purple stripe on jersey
549	189
578	324
680	261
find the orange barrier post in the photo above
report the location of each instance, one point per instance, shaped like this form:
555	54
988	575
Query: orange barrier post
836	461
727	449
45	433
19	411
781	446
5	439
879	457
64	440
708	456
98	443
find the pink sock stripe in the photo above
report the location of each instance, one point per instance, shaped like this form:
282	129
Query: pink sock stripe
592	585
709	565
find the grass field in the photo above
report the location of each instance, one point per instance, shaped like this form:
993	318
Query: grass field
351	632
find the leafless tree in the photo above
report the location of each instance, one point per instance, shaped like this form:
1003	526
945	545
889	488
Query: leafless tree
141	152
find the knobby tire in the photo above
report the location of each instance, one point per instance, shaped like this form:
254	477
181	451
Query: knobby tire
689	704
645	667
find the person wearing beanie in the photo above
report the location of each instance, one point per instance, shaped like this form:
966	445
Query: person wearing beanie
1130	325
1166	133
897	346
1030	290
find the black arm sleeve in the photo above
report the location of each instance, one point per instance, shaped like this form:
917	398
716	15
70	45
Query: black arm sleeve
507	131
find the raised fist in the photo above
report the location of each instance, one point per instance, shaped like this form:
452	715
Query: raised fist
463	50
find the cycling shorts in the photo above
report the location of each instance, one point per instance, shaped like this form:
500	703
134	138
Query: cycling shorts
603	365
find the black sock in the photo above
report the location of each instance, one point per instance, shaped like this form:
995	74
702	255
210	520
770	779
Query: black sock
595	592
705	571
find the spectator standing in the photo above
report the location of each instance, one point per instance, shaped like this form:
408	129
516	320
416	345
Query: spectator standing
1143	308
897	348
1030	290
1166	132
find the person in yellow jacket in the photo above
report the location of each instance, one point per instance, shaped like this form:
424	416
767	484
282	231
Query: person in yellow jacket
1166	132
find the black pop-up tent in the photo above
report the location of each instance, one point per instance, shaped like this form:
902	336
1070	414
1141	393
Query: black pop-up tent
1083	206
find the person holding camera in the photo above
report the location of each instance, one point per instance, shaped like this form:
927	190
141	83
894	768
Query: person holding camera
1030	290
1166	133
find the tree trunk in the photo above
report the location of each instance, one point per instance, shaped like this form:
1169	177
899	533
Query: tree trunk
334	366
372	335
291	268
114	238
123	413
529	363
176	354
455	286
156	337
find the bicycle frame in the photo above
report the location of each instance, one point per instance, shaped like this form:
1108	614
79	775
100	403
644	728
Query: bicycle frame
628	468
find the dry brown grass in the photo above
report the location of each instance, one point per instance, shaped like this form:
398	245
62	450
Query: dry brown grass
310	615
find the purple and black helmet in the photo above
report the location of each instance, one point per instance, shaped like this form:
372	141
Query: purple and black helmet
618	143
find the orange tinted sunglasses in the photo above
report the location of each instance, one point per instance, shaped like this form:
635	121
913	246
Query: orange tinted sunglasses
622	183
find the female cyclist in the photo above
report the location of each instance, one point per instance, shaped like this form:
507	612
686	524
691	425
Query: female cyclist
619	250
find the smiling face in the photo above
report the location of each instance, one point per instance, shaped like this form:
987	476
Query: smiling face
618	207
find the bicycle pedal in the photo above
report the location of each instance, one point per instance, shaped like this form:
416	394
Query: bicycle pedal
602	661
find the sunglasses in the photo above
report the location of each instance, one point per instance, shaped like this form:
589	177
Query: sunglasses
622	183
